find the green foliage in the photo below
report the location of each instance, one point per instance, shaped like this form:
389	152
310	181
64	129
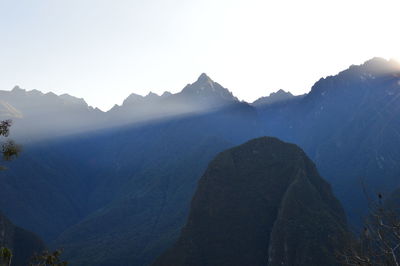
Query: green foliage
9	149
5	127
48	259
5	256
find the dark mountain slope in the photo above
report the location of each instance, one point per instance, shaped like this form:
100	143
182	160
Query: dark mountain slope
45	189
349	125
260	203
22	243
149	184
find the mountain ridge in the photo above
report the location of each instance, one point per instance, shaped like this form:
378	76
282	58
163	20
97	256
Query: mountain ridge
376	65
348	126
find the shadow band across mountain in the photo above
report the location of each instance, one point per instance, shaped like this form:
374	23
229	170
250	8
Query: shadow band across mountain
127	189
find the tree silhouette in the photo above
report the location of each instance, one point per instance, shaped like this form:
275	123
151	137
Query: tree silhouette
5	256
9	149
379	241
48	259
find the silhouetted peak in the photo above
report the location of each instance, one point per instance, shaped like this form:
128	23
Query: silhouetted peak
133	98
166	93
374	67
152	95
18	89
281	92
136	98
204	78
99	110
36	92
205	87
274	97
357	75
204	81
381	66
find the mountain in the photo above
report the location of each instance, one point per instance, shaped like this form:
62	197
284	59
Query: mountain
206	92
275	97
261	203
348	124
129	186
79	180
46	115
203	95
21	242
145	179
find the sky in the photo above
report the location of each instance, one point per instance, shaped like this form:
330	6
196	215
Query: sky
104	50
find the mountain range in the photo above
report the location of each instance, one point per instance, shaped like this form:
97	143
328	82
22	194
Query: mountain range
48	115
123	180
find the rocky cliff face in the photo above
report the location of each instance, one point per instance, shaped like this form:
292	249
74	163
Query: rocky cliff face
261	203
22	243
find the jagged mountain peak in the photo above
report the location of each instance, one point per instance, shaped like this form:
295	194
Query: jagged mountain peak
281	92
166	93
152	95
133	97
205	87
206	82
17	88
274	97
357	77
375	67
204	78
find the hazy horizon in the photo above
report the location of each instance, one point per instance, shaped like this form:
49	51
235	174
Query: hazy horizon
103	51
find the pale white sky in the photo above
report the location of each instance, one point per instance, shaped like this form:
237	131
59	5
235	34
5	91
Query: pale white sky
103	50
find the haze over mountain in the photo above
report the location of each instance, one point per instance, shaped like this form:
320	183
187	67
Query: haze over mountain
204	95
37	115
128	188
260	203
